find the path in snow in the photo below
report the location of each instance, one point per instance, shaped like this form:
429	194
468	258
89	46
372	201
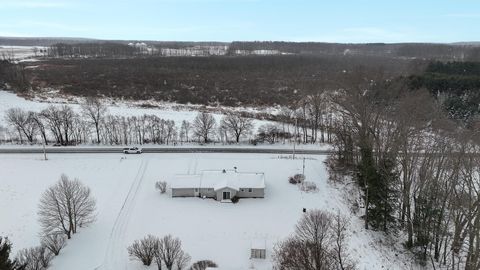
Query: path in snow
114	259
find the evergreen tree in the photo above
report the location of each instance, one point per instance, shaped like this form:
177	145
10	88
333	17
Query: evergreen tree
5	249
366	174
385	193
378	182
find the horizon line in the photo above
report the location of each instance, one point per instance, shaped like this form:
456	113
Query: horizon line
231	41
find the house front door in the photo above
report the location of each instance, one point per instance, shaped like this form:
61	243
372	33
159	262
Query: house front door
226	195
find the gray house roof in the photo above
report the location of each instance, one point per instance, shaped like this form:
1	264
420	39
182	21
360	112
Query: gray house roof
219	179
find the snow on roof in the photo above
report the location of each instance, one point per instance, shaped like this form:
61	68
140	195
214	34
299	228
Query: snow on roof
259	244
186	181
218	179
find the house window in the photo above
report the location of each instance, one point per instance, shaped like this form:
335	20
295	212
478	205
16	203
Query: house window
196	190
242	190
258	253
249	190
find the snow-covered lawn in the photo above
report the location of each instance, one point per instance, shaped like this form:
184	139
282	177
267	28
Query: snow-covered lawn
129	208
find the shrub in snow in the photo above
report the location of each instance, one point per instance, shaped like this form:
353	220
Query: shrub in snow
235	199
308	187
291	180
299	177
54	242
36	258
202	265
296	179
144	249
161	186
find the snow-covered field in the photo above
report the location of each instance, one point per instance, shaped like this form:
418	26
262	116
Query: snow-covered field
208	229
167	111
10	100
21	52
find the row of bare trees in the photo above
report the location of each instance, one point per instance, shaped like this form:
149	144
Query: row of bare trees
310	120
417	170
166	251
62	125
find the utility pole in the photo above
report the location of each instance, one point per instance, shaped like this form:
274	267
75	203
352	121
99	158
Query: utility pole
294	137
303	171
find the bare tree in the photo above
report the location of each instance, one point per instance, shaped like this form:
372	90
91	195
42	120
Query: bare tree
53	119
317	244
339	229
203	125
185	131
182	261
66	206
170	251
23	123
37	119
144	249
54	242
237	125
285	116
67	120
95	111
36	258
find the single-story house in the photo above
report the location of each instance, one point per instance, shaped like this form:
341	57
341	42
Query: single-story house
222	185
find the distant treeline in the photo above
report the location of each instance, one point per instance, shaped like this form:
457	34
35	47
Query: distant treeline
444	52
408	50
111	50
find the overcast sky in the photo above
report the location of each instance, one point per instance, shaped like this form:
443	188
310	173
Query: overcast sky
228	20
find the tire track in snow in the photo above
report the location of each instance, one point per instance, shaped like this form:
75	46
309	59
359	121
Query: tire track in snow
196	164
113	259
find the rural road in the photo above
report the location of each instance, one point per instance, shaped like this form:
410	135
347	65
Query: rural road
160	150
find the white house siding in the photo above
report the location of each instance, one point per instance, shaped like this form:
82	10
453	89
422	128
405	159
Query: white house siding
207	192
256	193
183	192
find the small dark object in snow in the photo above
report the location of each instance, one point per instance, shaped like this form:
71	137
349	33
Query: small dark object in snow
235	199
304	210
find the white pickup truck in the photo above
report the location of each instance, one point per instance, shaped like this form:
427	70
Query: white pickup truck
132	150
